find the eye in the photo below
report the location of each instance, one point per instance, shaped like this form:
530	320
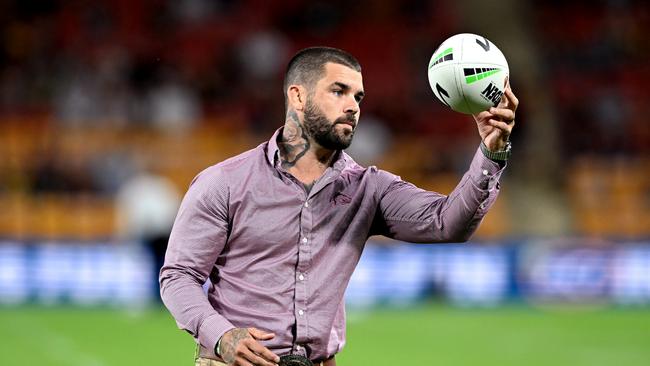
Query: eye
337	92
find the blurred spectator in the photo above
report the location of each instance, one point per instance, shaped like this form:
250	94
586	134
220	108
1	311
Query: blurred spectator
263	55
192	11
55	172
610	112
147	205
371	140
111	170
174	106
146	208
94	94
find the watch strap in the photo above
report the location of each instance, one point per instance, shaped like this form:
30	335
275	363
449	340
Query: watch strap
217	348
501	155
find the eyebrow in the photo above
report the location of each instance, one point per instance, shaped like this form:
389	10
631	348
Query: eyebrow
346	87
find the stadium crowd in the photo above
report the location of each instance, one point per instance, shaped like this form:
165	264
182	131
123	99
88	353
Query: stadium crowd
94	93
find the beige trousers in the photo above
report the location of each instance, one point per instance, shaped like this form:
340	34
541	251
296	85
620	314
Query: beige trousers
202	361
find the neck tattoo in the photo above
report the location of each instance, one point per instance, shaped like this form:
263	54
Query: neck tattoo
294	142
309	186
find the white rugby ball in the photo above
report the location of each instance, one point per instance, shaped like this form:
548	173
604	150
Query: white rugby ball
468	73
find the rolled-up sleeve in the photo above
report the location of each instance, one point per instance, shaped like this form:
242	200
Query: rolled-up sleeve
198	236
413	214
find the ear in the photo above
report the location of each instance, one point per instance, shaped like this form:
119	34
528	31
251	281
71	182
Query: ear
297	97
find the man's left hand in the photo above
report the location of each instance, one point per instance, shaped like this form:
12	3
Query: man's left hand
495	124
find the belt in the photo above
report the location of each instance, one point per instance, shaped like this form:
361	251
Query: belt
203	361
204	355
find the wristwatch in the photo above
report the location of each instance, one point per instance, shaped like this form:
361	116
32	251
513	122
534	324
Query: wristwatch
501	155
217	348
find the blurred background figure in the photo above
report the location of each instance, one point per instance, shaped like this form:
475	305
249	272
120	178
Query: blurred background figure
89	90
146	206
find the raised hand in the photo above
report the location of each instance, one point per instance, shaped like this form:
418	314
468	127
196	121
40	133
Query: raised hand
495	124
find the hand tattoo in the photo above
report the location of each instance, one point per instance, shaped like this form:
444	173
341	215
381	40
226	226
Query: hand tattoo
294	142
230	341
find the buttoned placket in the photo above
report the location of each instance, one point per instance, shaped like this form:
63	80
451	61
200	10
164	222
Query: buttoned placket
301	276
302	270
304	263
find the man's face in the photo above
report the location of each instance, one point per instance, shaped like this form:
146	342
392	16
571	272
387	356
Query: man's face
332	107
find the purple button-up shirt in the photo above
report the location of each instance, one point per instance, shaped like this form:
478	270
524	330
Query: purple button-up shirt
279	258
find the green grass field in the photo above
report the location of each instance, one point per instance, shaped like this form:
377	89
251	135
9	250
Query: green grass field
426	335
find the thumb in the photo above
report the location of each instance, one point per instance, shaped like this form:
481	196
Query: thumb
260	335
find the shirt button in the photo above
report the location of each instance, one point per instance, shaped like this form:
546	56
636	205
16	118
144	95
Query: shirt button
304	240
306	204
301	277
485	172
300	312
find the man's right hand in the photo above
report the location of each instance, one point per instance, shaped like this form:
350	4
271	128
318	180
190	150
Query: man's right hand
240	347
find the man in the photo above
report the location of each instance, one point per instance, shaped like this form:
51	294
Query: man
279	229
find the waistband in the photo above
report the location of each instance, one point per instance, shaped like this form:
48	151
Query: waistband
209	358
203	361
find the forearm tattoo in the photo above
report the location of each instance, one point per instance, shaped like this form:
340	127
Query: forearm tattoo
230	341
294	143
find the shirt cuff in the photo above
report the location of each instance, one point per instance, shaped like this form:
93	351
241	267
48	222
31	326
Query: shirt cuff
211	330
484	172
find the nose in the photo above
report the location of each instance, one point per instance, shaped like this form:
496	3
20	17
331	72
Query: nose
351	106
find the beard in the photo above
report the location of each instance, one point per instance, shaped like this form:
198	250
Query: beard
324	132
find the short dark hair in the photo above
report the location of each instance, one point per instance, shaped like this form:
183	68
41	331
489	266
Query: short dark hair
308	65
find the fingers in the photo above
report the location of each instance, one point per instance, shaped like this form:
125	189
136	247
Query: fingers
260	335
249	351
513	102
505	127
259	349
503	114
501	118
508	99
264	353
482	116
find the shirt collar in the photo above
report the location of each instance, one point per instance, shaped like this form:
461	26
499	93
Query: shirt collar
272	147
273	153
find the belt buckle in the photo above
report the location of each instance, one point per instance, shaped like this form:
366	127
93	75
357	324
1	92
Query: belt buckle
295	360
